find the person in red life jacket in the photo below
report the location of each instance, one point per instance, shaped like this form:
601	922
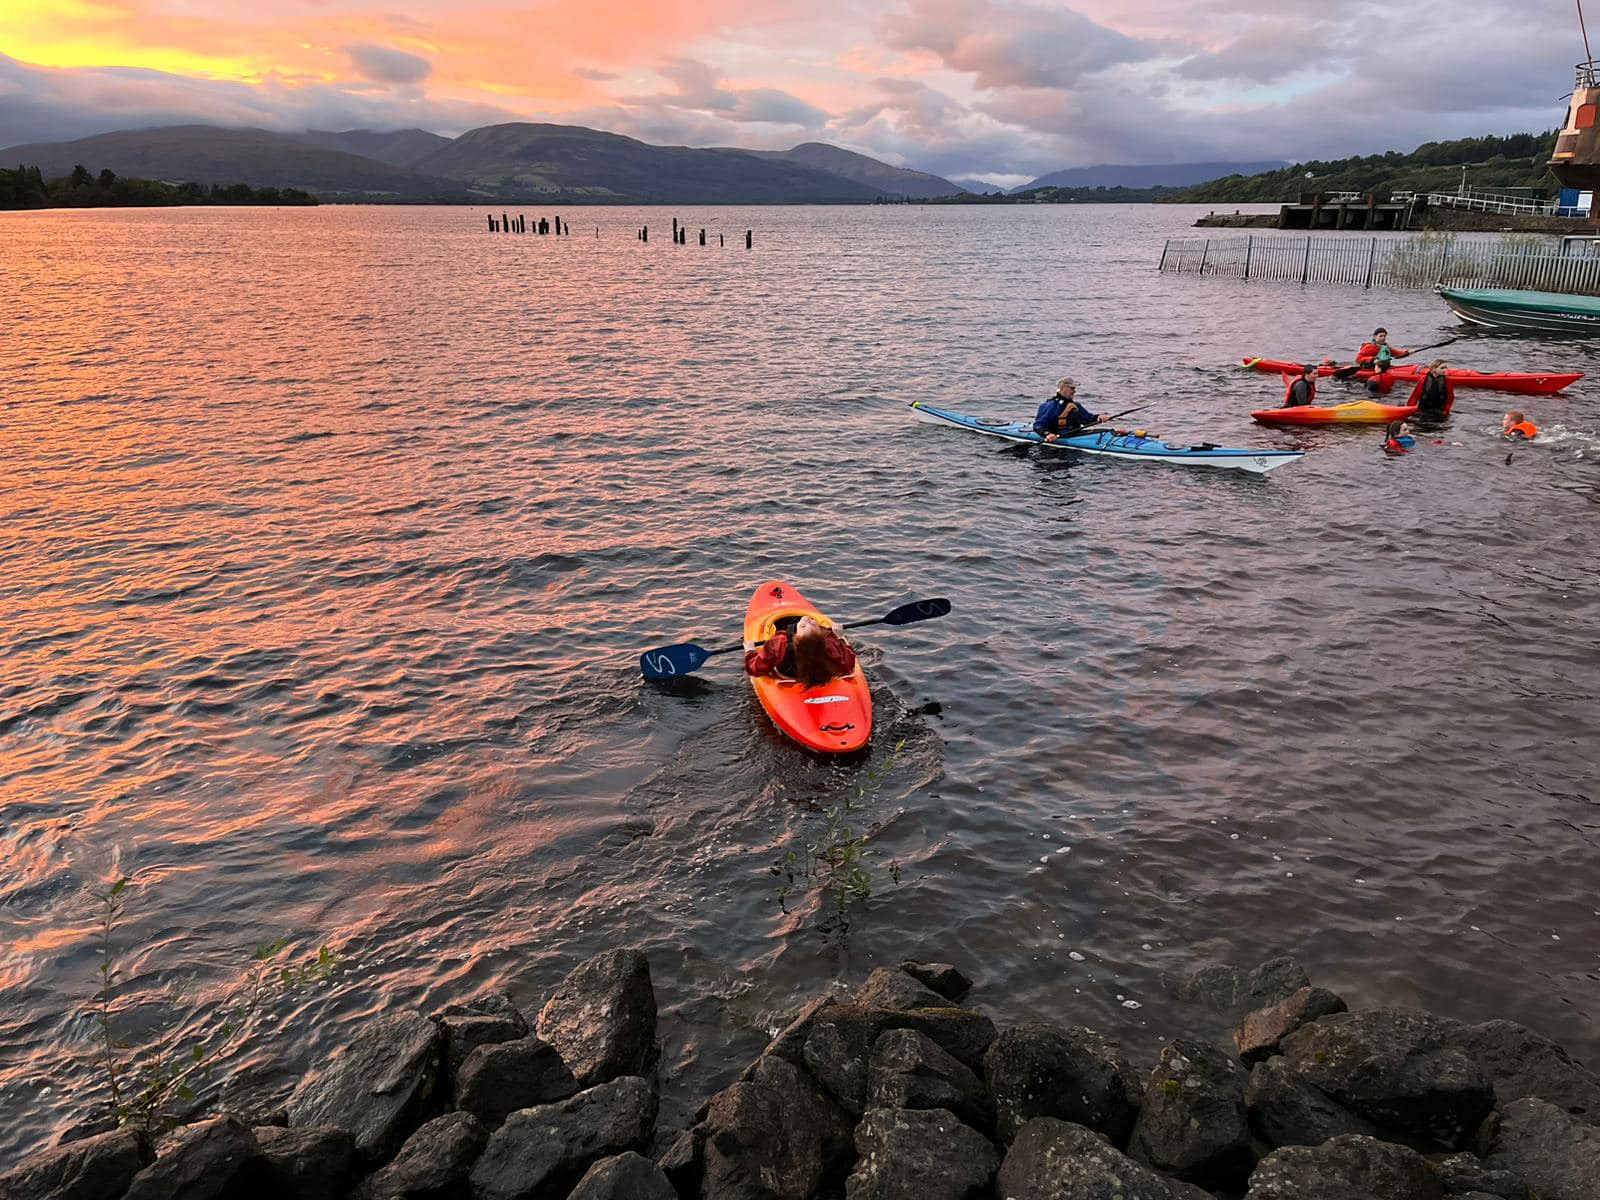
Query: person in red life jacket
1301	389
1377	354
1397	438
1062	414
1434	394
1516	427
812	654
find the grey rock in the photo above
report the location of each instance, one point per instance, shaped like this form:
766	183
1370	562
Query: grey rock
892	988
841	1038
909	1070
684	1162
1285	1110
789	1044
1259	1034
1056	1160
541	1152
919	1154
626	1177
1041	1070
433	1164
1522	1064
210	1159
602	1018
498	1079
775	1136
1554	1152
1465	1174
1345	1168
1396	1067
380	1088
92	1168
940	977
308	1164
489	1004
1193	1124
1234	991
464	1034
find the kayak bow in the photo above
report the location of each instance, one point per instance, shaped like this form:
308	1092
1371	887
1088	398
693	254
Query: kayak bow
1525	383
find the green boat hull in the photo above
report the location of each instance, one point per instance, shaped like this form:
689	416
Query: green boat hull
1526	312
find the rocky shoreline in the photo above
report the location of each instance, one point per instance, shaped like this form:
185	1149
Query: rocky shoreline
899	1091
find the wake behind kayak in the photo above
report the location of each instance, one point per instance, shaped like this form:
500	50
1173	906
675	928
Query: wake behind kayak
1118	444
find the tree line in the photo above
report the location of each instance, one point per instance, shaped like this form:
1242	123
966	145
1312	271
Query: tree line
1518	160
26	187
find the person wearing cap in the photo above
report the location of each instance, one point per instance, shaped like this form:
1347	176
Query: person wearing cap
1062	414
1377	354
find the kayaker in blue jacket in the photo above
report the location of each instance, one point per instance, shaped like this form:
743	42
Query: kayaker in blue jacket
1062	415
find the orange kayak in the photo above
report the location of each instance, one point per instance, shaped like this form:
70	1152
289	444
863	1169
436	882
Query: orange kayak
836	717
1357	412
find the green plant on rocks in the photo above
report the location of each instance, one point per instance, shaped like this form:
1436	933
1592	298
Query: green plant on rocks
149	1082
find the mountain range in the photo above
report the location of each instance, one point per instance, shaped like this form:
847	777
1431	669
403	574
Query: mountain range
518	161
1159	175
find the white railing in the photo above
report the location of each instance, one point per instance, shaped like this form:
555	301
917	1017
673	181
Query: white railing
1493	202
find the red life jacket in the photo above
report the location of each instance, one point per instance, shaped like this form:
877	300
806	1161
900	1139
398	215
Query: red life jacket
1449	392
1367	353
1288	391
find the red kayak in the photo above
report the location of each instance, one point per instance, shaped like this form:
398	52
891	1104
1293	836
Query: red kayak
1522	382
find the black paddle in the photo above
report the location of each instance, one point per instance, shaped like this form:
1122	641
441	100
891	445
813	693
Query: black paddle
669	662
1342	373
1127	412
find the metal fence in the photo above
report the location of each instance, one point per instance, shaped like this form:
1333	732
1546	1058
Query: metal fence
1383	262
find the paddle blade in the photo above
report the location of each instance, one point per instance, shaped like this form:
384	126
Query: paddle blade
669	662
917	610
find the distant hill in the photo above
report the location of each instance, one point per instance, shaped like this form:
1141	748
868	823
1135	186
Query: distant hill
1156	175
977	186
207	154
1518	160
883	179
573	162
398	148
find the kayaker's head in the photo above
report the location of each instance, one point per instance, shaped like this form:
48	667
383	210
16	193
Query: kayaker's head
1308	371
811	653
1380	335
1436	367
1514	417
1395	429
1067	389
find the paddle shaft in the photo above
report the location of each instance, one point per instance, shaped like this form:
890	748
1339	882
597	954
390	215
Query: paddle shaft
1127	412
1347	372
763	641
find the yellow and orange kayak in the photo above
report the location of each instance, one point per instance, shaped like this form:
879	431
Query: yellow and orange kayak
1357	412
836	717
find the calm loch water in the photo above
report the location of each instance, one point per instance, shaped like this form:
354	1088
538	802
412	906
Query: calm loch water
331	539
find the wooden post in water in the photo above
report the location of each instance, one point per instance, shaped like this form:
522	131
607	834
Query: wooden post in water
645	234
720	241
1205	252
1165	247
505	223
702	237
491	222
674	230
1305	269
1249	245
1372	257
749	235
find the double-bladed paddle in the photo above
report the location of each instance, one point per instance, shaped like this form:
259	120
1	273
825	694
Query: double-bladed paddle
669	662
1127	412
1342	373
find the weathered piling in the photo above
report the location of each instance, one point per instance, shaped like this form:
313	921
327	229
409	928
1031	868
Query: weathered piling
505	222
702	237
721	240
491	222
749	238
644	234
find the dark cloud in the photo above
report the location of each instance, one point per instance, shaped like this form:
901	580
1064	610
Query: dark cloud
382	64
697	89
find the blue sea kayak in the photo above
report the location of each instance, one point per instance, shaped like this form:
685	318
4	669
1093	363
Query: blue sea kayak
1131	447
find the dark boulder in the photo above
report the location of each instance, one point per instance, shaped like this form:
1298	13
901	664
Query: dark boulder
840	1040
774	1136
920	1154
625	1177
1345	1168
909	1070
92	1168
1259	1034
683	1163
602	1018
890	987
498	1079
1285	1110
1554	1152
1193	1123
464	1034
1056	1160
379	1088
1464	1174
1397	1068
940	977
218	1159
1234	991
789	1044
433	1164
489	1004
1041	1070
308	1164
1522	1064
545	1150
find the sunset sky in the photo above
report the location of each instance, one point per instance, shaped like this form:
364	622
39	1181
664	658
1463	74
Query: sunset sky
998	89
